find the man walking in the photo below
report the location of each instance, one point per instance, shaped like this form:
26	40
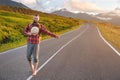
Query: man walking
33	42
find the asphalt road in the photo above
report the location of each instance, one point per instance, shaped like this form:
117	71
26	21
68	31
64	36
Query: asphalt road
77	55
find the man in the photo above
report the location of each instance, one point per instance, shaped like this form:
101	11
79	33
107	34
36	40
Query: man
33	42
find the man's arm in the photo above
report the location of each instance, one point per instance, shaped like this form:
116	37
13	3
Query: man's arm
26	30
44	30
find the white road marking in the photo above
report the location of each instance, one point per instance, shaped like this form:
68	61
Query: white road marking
107	42
12	50
30	77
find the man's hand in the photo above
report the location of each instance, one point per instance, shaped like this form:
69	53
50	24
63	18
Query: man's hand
57	37
30	34
34	34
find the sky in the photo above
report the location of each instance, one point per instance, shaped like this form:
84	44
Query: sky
96	6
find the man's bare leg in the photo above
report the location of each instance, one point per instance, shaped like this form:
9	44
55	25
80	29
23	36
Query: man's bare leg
35	68
31	66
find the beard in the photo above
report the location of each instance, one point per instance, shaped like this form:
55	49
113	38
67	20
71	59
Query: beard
34	21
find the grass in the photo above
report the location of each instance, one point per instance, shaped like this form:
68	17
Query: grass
23	42
12	26
111	33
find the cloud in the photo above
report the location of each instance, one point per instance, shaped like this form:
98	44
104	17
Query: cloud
25	1
104	18
119	1
78	5
47	2
72	5
46	6
33	4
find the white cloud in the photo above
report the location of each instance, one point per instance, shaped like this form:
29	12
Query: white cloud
77	5
119	1
103	18
47	2
72	5
26	1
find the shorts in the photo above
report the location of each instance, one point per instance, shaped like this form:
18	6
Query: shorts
32	52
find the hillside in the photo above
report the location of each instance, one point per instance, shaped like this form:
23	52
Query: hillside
14	20
12	3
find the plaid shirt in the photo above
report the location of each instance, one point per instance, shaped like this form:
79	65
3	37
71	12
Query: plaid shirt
35	39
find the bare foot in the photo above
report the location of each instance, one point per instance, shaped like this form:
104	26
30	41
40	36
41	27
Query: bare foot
34	73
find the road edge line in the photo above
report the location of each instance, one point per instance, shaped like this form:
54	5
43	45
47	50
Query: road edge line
107	42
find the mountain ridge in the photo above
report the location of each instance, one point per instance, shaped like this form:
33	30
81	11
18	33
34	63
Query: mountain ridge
111	16
80	15
12	3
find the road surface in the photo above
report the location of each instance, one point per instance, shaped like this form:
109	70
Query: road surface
78	55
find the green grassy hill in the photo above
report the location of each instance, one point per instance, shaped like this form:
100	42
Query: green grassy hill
13	21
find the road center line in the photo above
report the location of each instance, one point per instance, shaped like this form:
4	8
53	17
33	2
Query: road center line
30	77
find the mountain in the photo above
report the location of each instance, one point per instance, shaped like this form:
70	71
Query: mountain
114	16
12	3
66	13
114	13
